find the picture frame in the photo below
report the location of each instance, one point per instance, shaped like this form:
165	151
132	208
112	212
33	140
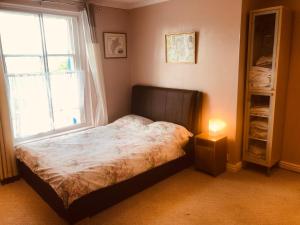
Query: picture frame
115	45
181	48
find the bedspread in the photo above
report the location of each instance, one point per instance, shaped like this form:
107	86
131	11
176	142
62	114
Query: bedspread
77	164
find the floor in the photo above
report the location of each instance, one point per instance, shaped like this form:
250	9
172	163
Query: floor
187	198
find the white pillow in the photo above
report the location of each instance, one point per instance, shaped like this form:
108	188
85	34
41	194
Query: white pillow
131	121
180	133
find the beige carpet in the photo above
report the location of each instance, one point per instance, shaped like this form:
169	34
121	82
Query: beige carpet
187	198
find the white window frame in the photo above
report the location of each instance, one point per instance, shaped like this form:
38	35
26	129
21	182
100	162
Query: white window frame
80	52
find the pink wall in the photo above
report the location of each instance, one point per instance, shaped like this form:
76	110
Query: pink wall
217	72
116	71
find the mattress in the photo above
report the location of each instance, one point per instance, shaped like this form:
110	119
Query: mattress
79	163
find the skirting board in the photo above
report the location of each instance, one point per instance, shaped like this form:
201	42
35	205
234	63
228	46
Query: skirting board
234	168
290	166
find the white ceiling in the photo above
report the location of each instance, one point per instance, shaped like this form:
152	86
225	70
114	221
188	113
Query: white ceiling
127	4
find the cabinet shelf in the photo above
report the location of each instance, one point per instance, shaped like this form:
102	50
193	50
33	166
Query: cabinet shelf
250	158
262	91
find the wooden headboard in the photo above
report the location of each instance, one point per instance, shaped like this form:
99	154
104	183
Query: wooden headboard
178	106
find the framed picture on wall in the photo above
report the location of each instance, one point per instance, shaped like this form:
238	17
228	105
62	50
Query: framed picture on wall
181	48
115	45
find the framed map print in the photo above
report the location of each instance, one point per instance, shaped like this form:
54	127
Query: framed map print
181	48
115	45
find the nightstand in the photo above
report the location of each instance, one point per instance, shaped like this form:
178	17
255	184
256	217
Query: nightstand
211	153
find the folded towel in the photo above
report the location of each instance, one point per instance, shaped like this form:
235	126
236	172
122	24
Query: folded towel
257	151
258	133
260	124
260	110
265	61
260	77
259	129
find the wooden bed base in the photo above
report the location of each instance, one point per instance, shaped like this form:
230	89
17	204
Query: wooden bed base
159	104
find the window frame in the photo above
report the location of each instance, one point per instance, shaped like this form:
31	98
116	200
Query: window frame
79	57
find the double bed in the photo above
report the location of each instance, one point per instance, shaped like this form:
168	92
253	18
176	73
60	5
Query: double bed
82	173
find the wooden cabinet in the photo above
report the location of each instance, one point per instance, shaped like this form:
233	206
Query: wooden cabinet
266	84
210	154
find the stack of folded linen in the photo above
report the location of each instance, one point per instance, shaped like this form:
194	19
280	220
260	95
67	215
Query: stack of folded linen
260	110
260	77
259	129
265	61
257	151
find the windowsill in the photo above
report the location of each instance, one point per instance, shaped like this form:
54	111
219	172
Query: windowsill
21	142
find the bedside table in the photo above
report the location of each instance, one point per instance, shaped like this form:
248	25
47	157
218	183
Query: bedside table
211	153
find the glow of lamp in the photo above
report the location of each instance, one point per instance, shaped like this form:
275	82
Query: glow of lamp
216	126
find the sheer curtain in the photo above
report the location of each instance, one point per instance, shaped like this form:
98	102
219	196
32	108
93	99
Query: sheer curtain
95	63
8	166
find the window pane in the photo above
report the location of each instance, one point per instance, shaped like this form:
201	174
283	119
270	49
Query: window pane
58	34
23	65
43	97
20	33
66	102
60	64
29	105
66	118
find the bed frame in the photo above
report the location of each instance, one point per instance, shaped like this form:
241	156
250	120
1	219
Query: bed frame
159	104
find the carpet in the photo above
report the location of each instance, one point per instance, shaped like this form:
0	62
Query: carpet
187	198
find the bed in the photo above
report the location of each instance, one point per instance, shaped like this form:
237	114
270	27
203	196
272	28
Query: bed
140	149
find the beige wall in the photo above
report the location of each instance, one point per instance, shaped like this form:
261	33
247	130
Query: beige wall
217	70
291	145
116	71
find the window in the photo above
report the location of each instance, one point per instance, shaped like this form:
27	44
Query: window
43	70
